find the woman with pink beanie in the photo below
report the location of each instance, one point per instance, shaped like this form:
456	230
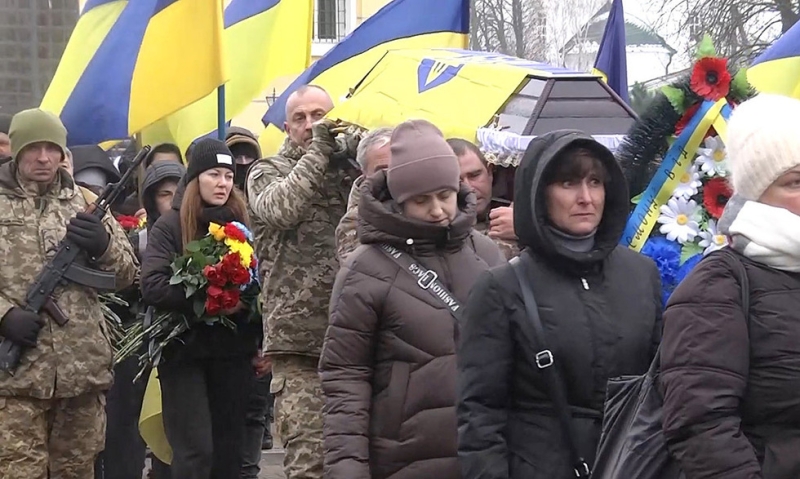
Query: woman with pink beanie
388	363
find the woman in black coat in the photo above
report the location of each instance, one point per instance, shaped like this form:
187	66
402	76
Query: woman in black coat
599	303
206	375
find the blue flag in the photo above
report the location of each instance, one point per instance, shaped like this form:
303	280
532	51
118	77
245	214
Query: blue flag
611	62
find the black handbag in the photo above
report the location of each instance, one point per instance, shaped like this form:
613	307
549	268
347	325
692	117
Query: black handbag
545	361
632	443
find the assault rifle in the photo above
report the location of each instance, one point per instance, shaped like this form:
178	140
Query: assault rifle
63	267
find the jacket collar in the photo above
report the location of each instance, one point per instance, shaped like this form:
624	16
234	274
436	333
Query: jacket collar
380	221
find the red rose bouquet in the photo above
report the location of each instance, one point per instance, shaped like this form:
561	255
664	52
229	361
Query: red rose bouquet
219	274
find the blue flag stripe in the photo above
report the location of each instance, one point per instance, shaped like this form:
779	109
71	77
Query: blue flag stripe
786	46
162	4
383	27
98	87
90	4
240	10
611	56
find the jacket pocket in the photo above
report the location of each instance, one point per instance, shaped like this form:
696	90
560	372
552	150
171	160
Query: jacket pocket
388	413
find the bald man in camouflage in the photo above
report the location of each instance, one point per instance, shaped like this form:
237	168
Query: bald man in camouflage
296	199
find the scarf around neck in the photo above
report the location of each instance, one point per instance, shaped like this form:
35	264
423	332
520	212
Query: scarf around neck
763	233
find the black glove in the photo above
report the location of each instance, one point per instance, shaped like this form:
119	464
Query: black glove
21	327
89	234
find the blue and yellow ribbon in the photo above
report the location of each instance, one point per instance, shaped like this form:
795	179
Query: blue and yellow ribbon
677	161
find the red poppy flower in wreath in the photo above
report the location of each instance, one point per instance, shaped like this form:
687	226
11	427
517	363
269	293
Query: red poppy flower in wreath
716	194
710	78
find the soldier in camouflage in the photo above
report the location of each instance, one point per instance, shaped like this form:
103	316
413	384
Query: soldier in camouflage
52	414
296	199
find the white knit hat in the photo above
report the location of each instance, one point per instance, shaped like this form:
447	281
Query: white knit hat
763	142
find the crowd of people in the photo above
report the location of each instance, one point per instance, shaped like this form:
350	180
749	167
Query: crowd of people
395	338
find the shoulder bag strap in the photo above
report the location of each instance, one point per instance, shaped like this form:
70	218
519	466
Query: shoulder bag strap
545	361
426	279
744	282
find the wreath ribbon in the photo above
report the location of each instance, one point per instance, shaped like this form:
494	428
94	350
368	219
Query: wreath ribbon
676	162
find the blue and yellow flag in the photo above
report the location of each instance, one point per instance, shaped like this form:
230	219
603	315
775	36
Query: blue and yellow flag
264	40
130	63
777	70
432	84
612	62
400	24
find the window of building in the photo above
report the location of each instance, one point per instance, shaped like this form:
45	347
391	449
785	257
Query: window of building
330	23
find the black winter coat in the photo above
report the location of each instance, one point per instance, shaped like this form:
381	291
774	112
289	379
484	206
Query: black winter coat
729	414
601	315
164	244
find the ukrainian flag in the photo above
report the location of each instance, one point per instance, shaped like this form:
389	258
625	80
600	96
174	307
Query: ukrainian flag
130	63
400	24
612	61
777	70
264	40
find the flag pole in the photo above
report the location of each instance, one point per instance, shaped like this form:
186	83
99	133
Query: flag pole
221	112
221	99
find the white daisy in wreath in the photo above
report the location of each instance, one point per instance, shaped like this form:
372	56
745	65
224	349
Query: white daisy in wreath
711	239
713	159
688	184
679	220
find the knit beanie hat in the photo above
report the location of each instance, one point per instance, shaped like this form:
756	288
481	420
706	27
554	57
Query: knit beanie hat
34	126
421	162
763	143
207	154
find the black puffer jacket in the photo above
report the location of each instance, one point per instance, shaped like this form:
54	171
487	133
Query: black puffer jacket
601	314
388	363
729	414
164	244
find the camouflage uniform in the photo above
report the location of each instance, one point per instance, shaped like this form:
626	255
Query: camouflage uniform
296	200
347	237
51	410
346	233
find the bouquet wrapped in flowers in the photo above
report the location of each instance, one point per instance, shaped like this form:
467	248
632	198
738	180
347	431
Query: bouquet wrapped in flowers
217	272
678	146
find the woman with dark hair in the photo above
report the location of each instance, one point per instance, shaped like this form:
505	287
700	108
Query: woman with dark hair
600	309
205	377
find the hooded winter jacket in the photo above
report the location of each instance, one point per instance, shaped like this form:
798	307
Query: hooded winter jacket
388	362
154	175
601	314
